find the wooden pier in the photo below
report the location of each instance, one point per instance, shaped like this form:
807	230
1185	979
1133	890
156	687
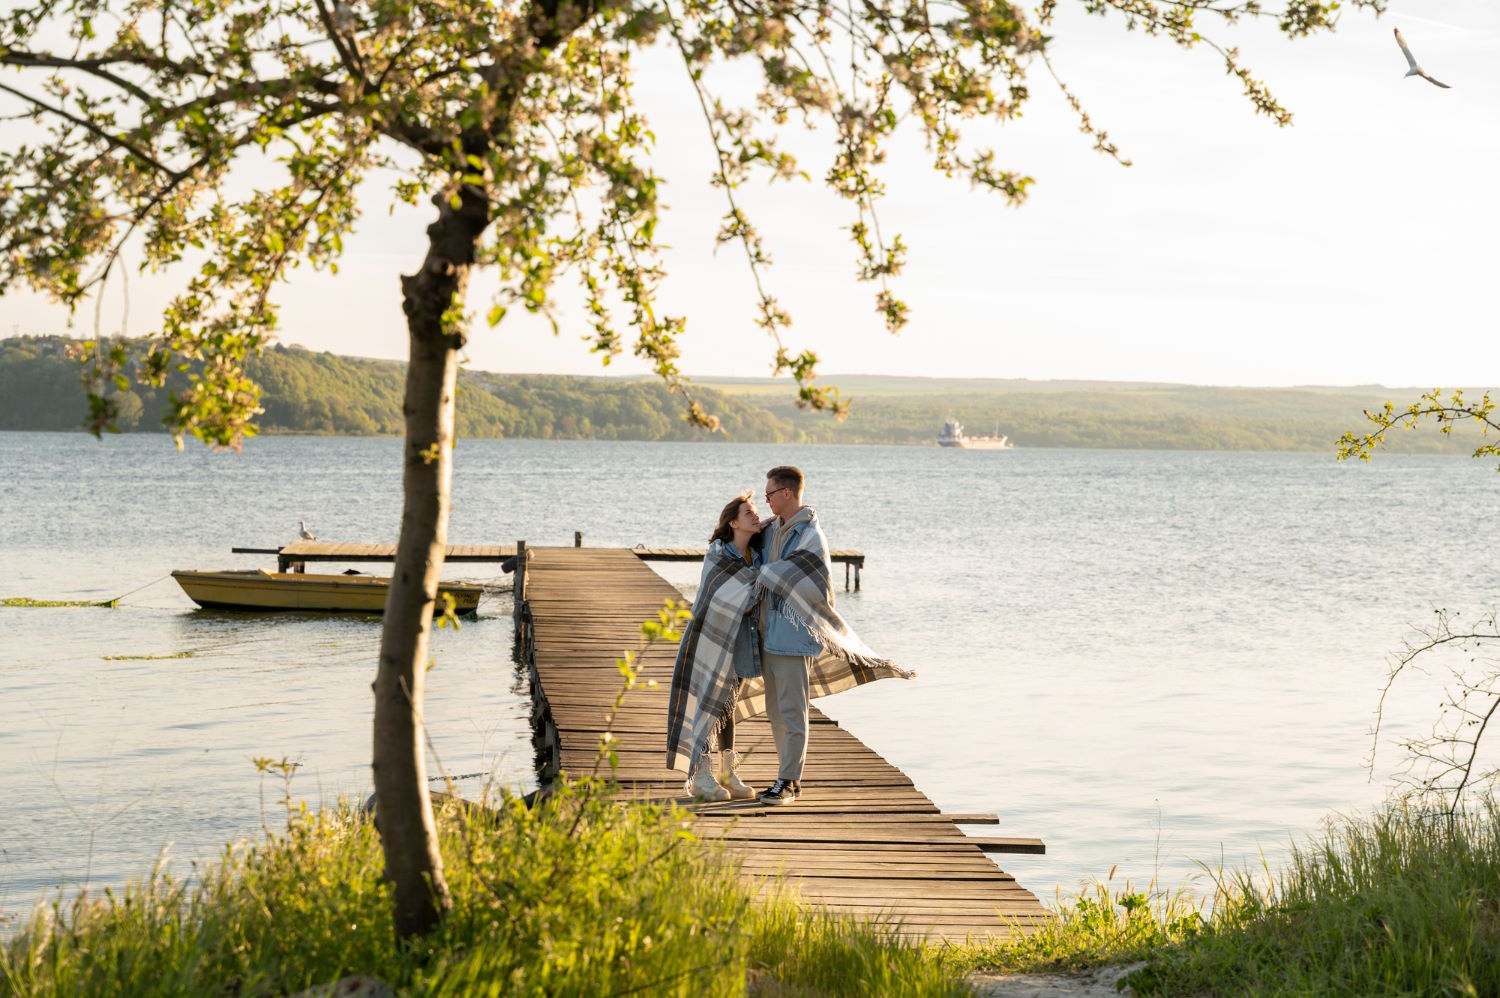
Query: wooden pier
303	552
863	839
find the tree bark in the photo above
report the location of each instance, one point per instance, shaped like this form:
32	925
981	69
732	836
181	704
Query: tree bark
413	862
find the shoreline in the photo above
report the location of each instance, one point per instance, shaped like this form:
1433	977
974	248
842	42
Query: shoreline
1442	449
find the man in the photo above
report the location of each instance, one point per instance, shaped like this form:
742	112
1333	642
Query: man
788	647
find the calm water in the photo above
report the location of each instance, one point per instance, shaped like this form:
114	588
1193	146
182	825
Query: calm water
1146	659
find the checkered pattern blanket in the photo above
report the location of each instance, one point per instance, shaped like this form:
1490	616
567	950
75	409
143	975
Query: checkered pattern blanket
704	685
705	689
801	579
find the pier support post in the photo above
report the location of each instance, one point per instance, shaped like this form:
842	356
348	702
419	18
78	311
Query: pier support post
578	538
857	569
520	588
846	576
520	572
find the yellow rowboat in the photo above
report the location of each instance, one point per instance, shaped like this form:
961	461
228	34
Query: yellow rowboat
259	589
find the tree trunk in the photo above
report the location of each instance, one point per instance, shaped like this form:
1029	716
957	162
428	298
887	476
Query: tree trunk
413	862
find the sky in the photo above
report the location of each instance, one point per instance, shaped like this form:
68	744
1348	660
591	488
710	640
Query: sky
1355	247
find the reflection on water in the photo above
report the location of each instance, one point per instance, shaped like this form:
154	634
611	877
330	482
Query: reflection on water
1143	658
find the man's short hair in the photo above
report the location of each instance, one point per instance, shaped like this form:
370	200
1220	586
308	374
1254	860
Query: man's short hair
786	476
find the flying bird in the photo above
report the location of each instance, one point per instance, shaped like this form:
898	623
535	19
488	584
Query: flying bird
307	535
1414	69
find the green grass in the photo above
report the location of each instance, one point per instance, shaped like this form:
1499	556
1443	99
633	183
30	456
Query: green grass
1104	925
1396	903
580	897
24	601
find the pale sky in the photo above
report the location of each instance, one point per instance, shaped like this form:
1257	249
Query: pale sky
1357	246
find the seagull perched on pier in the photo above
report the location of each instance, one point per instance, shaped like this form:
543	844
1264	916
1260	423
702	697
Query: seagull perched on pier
1413	69
306	535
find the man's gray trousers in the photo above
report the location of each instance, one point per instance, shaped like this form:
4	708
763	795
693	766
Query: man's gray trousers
786	707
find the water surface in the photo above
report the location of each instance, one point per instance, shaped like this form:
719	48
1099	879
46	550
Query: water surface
1145	659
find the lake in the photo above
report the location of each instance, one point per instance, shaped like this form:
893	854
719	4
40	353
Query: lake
1149	660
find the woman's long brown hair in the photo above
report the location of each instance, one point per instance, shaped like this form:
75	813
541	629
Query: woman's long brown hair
724	532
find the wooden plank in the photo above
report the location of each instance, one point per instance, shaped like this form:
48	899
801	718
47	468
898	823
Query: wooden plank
353	552
862	839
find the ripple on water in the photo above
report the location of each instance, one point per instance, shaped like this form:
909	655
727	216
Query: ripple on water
1146	659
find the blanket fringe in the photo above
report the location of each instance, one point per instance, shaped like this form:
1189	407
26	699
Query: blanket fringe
856	659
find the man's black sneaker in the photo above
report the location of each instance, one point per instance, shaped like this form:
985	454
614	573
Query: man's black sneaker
780	792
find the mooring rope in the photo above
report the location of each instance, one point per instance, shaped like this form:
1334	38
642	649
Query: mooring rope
139	588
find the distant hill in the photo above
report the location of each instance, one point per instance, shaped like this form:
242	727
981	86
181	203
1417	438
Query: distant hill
1111	415
307	392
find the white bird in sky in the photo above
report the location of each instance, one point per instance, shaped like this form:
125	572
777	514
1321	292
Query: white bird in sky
307	535
1414	69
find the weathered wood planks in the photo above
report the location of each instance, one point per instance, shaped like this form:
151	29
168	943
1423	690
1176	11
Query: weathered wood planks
305	551
340	551
863	839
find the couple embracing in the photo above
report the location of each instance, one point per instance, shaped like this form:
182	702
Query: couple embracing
764	637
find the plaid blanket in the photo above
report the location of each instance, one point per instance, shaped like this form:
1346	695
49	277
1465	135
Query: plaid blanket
705	689
704	685
801	579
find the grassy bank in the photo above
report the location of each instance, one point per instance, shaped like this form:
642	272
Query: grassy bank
1394	904
579	897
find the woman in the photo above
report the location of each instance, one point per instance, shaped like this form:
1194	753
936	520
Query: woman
720	649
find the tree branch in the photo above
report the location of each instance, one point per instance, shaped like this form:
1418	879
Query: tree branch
348	56
92	67
113	140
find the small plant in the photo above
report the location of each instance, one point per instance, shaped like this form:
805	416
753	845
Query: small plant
1106	927
448	617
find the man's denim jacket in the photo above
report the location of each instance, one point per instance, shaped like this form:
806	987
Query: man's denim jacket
784	636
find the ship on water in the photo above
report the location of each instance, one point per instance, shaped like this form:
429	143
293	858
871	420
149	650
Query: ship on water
953	435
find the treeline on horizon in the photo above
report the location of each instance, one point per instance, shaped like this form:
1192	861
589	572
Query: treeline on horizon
324	393
305	392
1129	417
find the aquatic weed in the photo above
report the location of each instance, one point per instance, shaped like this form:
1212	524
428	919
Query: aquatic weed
26	601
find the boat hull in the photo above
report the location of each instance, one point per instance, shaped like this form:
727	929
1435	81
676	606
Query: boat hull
953	435
271	591
977	443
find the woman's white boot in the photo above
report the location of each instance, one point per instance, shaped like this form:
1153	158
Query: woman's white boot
702	786
738	788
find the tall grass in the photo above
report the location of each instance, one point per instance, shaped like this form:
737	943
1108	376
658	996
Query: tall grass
1396	903
577	897
1105	924
1399	903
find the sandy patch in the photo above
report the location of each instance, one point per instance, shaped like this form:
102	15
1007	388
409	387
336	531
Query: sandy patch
1097	983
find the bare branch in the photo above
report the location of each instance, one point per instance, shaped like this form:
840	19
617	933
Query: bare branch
92	67
114	141
1449	754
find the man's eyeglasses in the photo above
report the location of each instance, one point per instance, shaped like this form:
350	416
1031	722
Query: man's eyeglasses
774	491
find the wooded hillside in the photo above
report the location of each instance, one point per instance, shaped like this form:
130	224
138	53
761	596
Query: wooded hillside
308	392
